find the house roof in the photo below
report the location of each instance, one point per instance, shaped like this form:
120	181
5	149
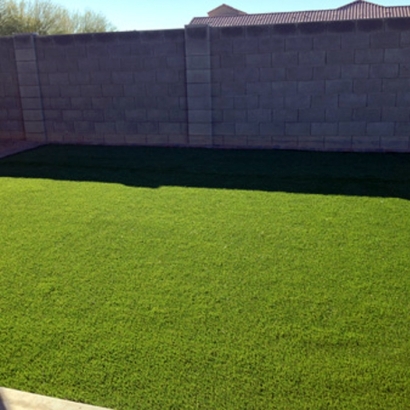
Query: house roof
357	10
224	11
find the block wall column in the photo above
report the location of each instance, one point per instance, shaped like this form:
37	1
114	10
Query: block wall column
198	78
29	86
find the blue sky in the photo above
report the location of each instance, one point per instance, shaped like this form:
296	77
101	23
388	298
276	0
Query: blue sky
165	14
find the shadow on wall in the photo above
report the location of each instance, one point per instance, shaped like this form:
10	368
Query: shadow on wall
362	174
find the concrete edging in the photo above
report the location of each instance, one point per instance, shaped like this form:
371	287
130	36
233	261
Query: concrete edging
11	399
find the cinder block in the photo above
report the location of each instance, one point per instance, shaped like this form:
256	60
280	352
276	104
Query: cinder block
267	101
200	141
386	39
339	86
339	57
368	56
315	143
396	85
105	127
257	60
135	139
246	128
272	128
297	101
404	70
284	88
236	141
355	41
312	114
123	77
352	128
25	54
79	78
284	59
395	144
203	116
33	115
149	127
402	129
352	100
403	99
286	114
311	87
327	72
111	90
249	102
248	74
167	76
81	103
233	61
199	76
391	114
35	136
30	91
355	71
338	143
72	115
380	128
90	65
365	144
234	115
224	128
381	99
297	129
200	128
271	44
324	128
367	86
298	43
273	74
170	128
138	90
259	115
220	103
31	104
301	73
157	115
247	45
312	58
260	88
198	90
327	42
198	62
71	91
34	126
384	71
339	114
93	115
237	88
178	140
256	141
284	142
366	114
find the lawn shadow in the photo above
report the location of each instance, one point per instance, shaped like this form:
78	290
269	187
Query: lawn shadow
363	174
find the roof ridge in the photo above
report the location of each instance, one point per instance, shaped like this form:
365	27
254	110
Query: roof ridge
356	2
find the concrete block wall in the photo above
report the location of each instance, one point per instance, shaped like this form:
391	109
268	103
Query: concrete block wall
328	86
114	88
11	117
318	86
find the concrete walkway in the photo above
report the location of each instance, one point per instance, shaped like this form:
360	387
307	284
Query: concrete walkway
14	147
17	400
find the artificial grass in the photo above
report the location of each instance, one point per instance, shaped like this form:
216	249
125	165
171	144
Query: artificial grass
138	278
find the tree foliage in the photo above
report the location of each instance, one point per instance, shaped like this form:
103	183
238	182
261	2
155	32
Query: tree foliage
45	17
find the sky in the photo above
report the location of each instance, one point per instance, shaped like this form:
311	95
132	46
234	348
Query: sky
128	15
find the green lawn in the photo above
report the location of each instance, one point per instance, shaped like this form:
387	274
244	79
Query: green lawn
138	278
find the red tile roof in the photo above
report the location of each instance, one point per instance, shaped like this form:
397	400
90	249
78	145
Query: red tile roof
357	10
